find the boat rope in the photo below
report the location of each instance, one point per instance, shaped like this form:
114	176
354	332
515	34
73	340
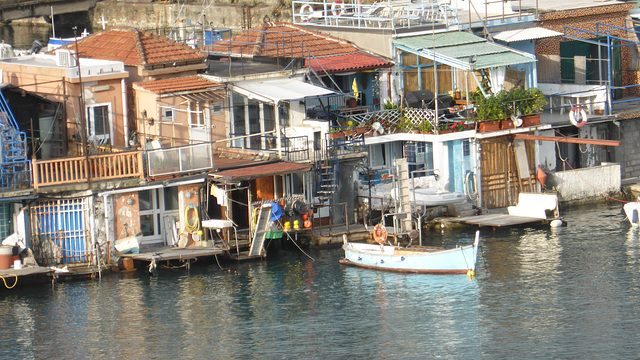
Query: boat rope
606	196
299	248
5	281
191	227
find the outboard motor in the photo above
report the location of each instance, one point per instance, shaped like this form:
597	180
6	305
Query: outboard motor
36	46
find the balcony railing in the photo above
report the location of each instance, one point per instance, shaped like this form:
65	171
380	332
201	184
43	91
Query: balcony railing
178	160
90	168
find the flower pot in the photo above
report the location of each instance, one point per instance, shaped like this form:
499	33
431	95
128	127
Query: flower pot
506	124
486	126
531	120
336	135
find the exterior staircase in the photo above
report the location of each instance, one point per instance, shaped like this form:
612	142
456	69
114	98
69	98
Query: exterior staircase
15	168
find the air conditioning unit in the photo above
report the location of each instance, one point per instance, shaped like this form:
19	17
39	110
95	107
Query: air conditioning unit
65	58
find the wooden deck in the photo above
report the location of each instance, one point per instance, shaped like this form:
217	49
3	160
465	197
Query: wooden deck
27	275
172	253
497	220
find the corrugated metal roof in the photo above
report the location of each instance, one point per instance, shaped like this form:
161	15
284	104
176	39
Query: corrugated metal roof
457	48
276	90
259	171
525	34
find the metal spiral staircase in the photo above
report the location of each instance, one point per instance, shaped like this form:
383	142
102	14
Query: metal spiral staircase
15	168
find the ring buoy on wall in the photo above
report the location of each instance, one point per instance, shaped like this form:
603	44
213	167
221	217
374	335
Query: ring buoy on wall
379	233
578	116
305	12
337	8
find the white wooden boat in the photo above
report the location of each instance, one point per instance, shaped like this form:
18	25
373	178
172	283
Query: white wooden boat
414	259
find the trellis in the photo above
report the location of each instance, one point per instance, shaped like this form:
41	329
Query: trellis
402	119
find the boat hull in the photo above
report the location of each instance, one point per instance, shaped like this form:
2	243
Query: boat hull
632	210
427	261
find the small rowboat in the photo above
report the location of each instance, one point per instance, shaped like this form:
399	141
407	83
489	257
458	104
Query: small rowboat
414	259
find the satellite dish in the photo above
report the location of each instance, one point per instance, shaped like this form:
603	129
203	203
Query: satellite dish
377	127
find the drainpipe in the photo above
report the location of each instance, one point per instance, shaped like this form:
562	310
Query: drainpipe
125	112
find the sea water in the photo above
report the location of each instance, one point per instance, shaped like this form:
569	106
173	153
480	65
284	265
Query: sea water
566	293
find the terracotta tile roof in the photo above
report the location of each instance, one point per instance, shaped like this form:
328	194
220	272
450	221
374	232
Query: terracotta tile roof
283	39
175	85
347	62
134	47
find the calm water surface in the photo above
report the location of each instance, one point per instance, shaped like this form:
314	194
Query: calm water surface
540	293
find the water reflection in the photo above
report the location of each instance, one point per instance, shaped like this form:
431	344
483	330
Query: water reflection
572	292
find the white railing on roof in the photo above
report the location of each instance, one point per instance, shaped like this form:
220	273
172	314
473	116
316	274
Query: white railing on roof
397	14
178	160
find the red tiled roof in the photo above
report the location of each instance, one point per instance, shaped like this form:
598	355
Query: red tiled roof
283	39
134	47
347	62
180	84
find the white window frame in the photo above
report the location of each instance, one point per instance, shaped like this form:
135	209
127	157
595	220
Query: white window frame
91	124
163	114
217	108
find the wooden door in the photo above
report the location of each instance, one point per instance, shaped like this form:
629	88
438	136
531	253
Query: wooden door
501	182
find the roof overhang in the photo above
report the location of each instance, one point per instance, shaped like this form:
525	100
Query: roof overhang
525	34
463	51
277	90
259	171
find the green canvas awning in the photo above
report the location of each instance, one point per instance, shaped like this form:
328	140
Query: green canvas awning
462	50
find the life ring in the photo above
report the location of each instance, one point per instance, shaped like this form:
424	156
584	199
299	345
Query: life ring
305	12
337	8
379	233
578	116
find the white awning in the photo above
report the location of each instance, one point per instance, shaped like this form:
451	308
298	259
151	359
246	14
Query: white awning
276	90
525	34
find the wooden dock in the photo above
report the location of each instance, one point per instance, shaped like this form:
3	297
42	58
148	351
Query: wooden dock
13	278
497	220
173	253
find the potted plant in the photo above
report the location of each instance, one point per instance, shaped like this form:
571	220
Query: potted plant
490	110
425	127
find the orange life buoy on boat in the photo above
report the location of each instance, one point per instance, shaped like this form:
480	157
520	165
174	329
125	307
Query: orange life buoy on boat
379	233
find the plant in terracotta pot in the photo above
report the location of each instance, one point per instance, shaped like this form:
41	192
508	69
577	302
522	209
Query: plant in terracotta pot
425	127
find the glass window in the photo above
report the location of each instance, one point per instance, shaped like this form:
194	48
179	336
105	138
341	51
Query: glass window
147	225
171	198
145	199
217	108
167	114
98	123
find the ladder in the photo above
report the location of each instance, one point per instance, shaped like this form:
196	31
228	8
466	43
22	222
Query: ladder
262	227
403	193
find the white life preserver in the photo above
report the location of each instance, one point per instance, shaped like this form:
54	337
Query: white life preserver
337	8
306	11
578	116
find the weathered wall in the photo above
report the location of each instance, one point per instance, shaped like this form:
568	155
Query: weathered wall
628	153
149	15
585	184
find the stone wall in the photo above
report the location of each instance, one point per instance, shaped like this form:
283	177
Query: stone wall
629	148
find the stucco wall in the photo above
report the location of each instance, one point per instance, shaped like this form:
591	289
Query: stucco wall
585	184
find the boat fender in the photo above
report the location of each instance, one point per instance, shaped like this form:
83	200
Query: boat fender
306	12
578	116
471	274
379	233
337	8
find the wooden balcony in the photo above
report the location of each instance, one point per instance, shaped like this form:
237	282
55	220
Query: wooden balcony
84	169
